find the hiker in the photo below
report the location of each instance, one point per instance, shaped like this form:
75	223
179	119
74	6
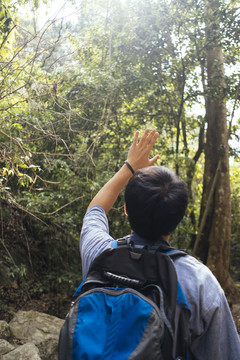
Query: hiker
156	200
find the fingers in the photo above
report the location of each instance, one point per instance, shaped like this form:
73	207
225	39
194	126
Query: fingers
138	155
135	140
154	159
147	141
145	136
153	137
150	140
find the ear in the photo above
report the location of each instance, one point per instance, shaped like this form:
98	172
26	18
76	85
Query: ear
125	209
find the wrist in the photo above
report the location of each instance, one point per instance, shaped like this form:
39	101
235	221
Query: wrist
129	166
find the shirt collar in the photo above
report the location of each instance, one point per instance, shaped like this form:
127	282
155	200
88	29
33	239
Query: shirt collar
138	240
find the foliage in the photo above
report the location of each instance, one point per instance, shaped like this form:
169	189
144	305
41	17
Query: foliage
74	91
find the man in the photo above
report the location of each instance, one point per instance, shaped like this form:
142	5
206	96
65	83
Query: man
156	200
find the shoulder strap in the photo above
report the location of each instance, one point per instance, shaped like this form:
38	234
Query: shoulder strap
163	248
173	253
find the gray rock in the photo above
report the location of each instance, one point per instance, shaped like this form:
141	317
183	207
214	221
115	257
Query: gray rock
48	349
5	331
27	351
35	326
5	347
40	329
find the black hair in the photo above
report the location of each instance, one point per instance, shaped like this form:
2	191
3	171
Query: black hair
156	200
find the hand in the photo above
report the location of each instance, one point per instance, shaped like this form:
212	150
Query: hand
138	155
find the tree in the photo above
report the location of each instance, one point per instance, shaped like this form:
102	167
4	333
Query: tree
73	94
213	241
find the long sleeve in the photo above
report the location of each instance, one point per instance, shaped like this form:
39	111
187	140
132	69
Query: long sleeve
94	238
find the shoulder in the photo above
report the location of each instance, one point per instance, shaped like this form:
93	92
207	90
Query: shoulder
189	268
200	287
95	212
95	219
197	280
202	291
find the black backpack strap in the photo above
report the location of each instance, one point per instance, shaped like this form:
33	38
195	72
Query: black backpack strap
173	253
161	247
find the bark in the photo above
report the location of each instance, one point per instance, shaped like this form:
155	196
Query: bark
214	238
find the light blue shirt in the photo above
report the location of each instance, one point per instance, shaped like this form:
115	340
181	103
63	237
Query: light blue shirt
213	332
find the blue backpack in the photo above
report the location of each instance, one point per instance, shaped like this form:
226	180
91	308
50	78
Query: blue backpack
130	306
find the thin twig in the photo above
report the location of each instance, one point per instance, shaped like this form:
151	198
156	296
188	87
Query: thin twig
62	207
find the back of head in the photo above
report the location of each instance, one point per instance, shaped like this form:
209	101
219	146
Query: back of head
156	201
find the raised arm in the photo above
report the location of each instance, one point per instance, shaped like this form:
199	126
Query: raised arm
138	158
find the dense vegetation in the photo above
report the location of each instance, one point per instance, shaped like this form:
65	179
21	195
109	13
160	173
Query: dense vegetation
73	91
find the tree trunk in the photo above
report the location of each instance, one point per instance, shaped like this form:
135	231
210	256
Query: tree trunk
213	246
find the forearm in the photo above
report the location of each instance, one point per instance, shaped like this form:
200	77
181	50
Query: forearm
108	194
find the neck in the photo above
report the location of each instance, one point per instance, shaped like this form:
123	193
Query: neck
166	237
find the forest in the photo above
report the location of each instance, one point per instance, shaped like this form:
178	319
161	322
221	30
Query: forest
78	78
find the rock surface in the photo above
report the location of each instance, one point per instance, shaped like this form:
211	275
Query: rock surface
37	333
27	351
5	347
5	331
